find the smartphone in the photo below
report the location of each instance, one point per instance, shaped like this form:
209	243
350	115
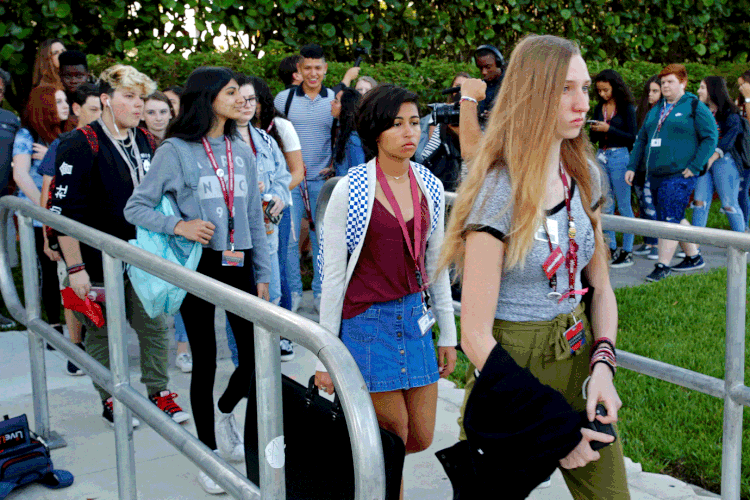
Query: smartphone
275	219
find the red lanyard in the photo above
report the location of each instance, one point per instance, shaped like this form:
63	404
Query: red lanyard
664	113
414	250
571	259
227	191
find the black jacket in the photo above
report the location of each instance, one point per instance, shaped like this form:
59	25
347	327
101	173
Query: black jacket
622	129
518	429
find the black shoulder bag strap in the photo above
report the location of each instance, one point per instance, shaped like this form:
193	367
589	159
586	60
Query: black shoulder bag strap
289	99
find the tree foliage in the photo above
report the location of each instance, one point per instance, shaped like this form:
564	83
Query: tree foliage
708	31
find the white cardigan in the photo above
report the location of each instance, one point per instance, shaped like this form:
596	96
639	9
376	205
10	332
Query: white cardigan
337	272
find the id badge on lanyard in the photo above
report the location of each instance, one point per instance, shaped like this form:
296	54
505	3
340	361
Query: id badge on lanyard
229	258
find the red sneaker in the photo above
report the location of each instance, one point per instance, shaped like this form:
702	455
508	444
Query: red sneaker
165	401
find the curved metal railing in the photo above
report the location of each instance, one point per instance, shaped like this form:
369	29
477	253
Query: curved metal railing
350	386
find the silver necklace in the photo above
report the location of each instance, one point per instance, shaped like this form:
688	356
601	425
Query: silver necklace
394	177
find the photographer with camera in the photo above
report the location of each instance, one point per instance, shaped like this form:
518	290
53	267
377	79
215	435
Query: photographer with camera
439	147
478	97
491	63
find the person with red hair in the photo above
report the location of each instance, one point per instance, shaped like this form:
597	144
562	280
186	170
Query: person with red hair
44	118
677	139
47	64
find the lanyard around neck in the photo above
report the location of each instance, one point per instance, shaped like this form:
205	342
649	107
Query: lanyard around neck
664	113
227	188
571	259
414	250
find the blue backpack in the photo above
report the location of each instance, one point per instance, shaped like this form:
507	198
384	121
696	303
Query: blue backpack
25	458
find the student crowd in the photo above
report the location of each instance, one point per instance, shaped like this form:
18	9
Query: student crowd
242	171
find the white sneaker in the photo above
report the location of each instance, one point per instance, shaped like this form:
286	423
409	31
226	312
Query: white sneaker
316	304
296	301
228	438
208	484
184	362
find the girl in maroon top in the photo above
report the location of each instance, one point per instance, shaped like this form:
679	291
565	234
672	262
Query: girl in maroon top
381	239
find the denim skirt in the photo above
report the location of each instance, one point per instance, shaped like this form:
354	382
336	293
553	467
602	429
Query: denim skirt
388	346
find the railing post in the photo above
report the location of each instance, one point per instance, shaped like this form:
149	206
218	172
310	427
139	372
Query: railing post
36	342
270	420
118	361
734	362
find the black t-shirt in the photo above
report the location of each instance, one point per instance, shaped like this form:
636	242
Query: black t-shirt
94	188
9	125
485	106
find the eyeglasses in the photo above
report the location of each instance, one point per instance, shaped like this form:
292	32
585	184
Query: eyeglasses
250	100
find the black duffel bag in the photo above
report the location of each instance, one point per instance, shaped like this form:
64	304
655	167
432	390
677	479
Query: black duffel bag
318	462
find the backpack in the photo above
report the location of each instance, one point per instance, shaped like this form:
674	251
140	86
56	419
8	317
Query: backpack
25	458
93	141
742	144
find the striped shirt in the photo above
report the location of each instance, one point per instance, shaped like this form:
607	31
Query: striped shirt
312	120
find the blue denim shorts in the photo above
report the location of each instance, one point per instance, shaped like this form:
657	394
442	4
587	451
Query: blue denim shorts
388	346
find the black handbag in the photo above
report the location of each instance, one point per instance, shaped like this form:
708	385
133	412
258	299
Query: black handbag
318	462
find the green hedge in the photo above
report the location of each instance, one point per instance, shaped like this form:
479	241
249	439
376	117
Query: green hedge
427	77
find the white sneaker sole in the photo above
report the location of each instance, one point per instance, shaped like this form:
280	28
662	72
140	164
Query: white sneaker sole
180	417
211	488
136	423
185	369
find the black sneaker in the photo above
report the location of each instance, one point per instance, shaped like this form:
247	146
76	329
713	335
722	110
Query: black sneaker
615	254
108	414
659	273
165	401
287	349
642	250
73	370
7	323
624	259
59	328
690	264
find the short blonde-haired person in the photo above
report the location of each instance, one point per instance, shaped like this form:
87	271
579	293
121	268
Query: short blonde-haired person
96	171
534	192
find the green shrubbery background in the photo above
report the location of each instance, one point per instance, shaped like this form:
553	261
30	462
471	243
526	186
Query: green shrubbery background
427	77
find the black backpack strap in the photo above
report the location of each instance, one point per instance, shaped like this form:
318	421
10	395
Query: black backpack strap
289	99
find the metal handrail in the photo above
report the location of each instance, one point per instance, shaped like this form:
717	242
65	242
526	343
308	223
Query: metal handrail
732	389
369	470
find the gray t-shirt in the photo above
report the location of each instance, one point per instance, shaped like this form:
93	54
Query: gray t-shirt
523	290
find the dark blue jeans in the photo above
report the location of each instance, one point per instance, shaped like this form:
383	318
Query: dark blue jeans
285	226
671	196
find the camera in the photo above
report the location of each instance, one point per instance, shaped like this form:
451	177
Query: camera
445	113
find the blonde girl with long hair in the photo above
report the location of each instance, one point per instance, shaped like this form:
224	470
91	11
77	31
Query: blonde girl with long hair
524	226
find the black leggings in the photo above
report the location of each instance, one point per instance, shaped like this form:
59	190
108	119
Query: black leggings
49	283
199	324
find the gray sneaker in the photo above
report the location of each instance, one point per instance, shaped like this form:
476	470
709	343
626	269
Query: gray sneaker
643	250
654	254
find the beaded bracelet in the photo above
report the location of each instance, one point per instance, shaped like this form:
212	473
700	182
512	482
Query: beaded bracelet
610	365
76	268
604	340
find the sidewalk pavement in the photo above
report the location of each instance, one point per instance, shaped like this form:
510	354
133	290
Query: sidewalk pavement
162	473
